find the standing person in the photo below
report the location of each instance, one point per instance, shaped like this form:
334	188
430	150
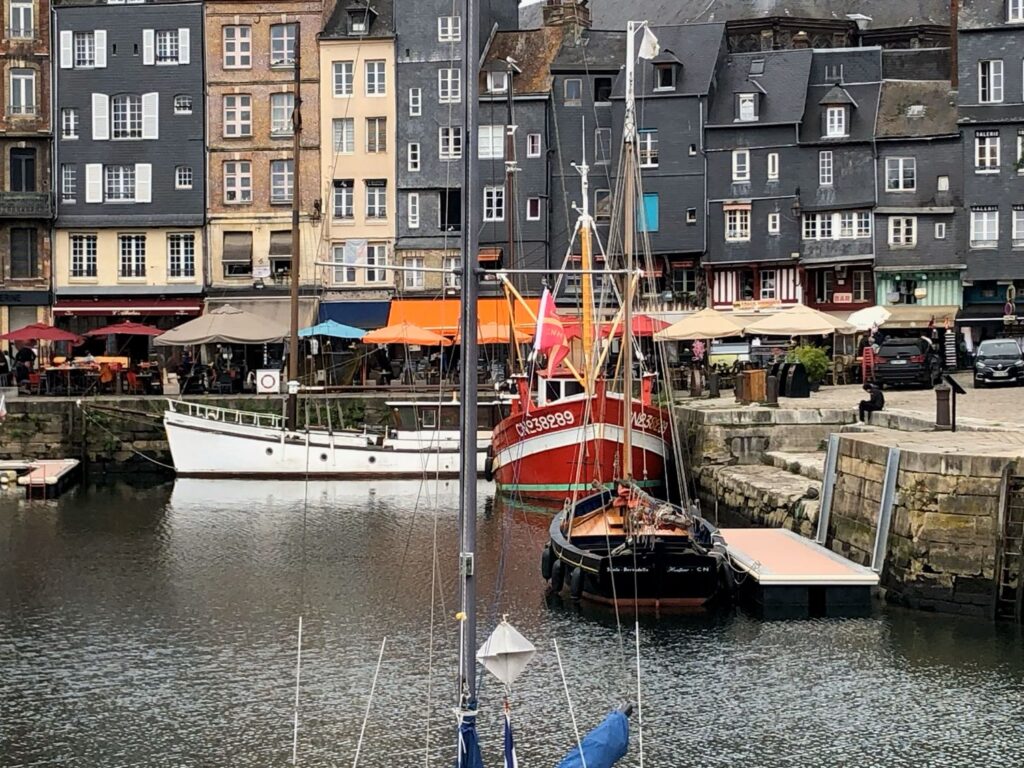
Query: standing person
875	401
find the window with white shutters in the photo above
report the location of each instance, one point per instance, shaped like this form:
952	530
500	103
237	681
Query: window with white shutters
119	183
126	116
85	50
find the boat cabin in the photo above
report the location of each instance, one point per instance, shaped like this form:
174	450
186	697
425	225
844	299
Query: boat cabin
416	416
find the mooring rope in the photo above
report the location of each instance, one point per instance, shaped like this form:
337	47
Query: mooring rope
117	437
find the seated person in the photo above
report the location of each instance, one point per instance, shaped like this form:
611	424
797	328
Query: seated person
875	401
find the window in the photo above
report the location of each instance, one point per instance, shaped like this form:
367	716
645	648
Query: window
132	250
237	115
126	111
864	224
413	210
413	152
602	146
449	86
237	47
838	226
453	272
450	210
415	102
602	204
69	123
376	134
281	107
648	141
450	143
825	168
182	105
1018	227
648	220
986	152
181	255
533	209
21	21
343	78
494	203
824	285
344	135
846	224
940	230
773	166
237	182
376	256
692	151
900	174
119	182
23	92
902	231
833	73
572	92
741	165
281	180
68	183
942	184
602	91
183	177
376	84
345	259
533	145
492	142
23	169
774	223
664	77
85	49
768	277
990	81
412	277
1015	10
449	29
167	46
376	199
737	224
282	45
984	227
835	121
497	82
344	199
746	107
691	215
237	254
83	255
862	288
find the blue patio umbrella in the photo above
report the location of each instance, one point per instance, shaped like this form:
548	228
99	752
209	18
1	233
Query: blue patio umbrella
333	329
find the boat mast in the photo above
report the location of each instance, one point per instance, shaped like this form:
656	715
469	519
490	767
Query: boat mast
467	365
511	168
291	420
629	224
585	265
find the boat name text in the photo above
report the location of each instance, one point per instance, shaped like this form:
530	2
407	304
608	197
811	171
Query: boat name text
545	422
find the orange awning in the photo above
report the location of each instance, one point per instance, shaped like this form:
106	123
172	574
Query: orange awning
442	315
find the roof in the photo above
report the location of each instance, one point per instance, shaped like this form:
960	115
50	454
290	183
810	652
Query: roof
693	46
837	95
784	85
596	49
983	14
383	25
533	51
916	108
613	14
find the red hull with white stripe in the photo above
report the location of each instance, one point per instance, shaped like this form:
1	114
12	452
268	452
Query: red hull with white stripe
551	451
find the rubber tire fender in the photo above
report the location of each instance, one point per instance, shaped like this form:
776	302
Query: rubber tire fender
545	562
489	464
557	575
576	584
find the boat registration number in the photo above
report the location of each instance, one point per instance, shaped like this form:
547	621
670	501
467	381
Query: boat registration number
547	421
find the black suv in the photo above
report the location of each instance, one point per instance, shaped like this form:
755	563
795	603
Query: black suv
907	361
998	361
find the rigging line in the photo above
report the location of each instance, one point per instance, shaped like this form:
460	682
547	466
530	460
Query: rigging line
298	670
568	698
369	703
639	704
129	446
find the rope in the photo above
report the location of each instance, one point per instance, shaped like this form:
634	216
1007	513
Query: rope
639	705
117	437
369	702
298	670
568	698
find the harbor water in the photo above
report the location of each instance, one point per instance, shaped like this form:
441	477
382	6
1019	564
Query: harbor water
157	626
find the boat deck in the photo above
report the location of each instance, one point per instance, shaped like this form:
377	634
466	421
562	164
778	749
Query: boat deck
610	524
48	478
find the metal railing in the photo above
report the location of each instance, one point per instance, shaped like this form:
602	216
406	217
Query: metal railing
17	33
226	415
24	110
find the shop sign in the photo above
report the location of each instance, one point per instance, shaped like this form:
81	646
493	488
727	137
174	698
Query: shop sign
753	306
842	298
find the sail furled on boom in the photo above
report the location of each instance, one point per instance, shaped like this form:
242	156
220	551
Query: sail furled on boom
603	746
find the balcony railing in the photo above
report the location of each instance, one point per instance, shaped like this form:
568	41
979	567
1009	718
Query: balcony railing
21	110
26	205
17	33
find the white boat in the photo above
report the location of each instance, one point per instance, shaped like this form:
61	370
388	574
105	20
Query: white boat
422	439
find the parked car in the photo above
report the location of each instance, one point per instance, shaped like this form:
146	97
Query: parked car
907	361
998	361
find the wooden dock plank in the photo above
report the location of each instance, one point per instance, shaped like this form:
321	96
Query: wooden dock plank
777	557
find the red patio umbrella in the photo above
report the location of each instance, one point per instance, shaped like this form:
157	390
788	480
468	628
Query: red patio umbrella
643	325
41	332
127	328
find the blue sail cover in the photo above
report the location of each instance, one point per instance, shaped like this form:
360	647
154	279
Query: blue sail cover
469	745
603	746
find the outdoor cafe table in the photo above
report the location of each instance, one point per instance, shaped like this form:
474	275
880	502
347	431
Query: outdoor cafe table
71	378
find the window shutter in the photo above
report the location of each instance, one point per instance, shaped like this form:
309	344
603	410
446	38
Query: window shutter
151	115
100	38
94	183
148	47
100	117
66	50
143	183
184	55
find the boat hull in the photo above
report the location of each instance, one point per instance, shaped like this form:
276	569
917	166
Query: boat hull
555	451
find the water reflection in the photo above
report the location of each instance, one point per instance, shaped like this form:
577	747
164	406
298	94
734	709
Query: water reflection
157	627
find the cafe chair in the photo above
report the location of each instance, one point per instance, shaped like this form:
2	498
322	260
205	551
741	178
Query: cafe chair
133	385
37	384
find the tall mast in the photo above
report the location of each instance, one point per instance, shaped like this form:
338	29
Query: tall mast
511	168
293	333
585	261
467	366
628	168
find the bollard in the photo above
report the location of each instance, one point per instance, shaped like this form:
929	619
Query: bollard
713	390
942	413
771	392
695	383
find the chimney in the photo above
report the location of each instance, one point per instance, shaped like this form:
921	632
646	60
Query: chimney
954	42
801	40
567	13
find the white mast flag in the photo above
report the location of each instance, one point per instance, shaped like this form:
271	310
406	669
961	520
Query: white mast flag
649	47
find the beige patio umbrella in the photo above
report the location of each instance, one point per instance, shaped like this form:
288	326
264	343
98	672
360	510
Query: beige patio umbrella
799	320
706	324
224	325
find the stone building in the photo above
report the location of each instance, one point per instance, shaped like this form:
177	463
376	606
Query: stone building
26	199
128	82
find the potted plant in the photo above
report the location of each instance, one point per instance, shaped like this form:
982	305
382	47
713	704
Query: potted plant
814	360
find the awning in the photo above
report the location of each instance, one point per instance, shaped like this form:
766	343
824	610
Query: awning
919	316
981	313
275	308
153	306
369	315
281	243
237	248
489	254
442	315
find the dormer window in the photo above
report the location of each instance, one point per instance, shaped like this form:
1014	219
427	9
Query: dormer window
665	77
602	90
835	122
1015	10
358	26
497	82
360	17
757	67
746	107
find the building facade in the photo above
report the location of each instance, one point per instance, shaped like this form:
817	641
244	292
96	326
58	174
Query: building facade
26	197
128	82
